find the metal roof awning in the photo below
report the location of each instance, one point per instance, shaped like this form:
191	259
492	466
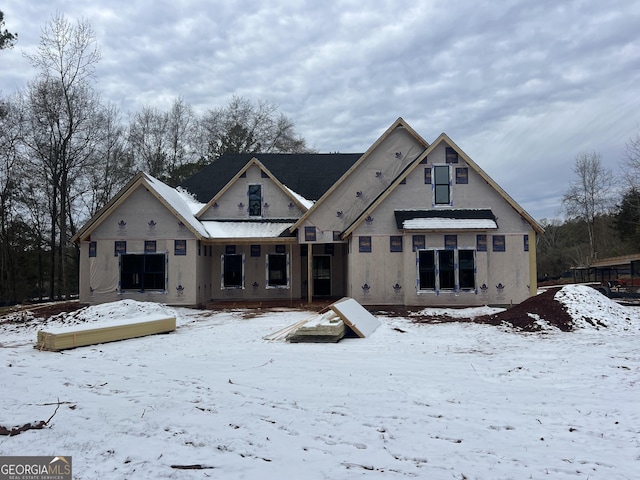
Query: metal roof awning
449	219
254	230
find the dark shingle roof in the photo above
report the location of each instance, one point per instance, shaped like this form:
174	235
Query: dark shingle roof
308	174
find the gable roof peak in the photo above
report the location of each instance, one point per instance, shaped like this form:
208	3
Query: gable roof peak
298	199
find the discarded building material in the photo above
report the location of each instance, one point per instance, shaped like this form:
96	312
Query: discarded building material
282	334
83	335
356	317
327	328
330	324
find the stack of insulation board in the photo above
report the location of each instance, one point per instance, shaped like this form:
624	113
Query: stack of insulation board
325	328
56	339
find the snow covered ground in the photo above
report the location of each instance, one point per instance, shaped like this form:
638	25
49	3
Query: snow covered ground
436	401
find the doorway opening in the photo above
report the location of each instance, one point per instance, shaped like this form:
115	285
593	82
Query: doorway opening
322	275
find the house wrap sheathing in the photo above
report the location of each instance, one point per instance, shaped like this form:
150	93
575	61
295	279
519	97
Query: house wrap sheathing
405	223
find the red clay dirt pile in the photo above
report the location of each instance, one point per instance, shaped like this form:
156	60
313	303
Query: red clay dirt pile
525	316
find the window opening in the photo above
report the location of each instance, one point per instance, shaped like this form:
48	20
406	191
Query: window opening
232	271
446	266
427	269
446	270
255	200
467	269
277	270
442	190
142	272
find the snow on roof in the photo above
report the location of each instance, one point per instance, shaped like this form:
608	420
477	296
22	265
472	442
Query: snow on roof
216	229
187	206
190	199
307	203
180	201
449	224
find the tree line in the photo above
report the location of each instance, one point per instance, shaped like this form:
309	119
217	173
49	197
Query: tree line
64	153
602	215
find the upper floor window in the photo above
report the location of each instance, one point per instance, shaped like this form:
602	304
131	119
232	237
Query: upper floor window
255	200
462	175
451	155
441	185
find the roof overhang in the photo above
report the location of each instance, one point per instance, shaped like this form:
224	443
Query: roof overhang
173	200
248	231
623	261
449	219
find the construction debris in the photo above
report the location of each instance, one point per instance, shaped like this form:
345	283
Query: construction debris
327	328
356	317
342	318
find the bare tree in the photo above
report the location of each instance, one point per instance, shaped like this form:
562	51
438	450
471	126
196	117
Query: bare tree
246	127
10	160
631	163
62	126
113	163
181	135
632	158
167	144
148	140
589	195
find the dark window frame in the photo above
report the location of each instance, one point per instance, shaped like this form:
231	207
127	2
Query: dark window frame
395	243
119	247
451	242
467	269
441	184
426	269
419	242
499	243
451	155
277	267
481	242
254	194
180	247
448	270
364	244
462	175
143	271
232	271
150	246
309	234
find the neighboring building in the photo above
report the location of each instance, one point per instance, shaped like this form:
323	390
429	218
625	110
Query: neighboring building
405	223
624	269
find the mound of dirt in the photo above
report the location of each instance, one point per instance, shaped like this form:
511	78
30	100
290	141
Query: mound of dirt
27	312
533	314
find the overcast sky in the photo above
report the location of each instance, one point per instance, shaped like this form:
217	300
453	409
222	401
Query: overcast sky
521	86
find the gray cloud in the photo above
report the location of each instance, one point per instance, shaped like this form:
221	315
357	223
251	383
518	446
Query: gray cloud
521	86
